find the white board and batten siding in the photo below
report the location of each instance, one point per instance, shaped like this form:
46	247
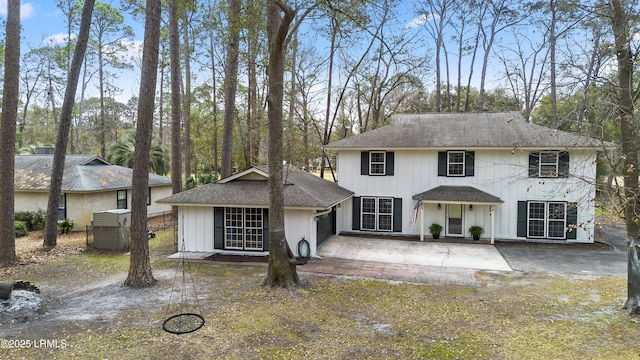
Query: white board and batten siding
499	172
196	228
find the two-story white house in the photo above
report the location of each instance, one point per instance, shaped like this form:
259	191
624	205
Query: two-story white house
517	180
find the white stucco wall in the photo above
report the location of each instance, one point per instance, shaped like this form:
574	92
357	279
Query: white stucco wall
498	172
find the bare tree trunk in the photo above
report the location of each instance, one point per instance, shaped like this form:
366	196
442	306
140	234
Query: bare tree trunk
629	150
140	274
176	153
62	139
282	264
230	85
214	100
103	115
187	102
553	7
8	135
332	52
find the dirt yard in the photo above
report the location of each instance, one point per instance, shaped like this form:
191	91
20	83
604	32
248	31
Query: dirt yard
84	312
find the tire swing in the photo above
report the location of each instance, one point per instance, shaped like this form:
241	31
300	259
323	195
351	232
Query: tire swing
187	319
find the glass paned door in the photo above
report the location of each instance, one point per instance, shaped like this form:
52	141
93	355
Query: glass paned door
454	220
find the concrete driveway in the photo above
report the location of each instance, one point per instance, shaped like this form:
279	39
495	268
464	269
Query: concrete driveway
607	257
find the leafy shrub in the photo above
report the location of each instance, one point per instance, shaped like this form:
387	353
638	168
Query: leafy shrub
65	226
199	180
21	228
34	220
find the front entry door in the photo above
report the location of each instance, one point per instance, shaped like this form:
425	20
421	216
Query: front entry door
454	220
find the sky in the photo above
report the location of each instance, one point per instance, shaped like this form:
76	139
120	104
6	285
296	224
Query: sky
42	22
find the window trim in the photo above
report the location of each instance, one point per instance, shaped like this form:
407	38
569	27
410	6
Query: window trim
254	233
383	163
377	214
463	163
149	196
119	200
547	220
554	173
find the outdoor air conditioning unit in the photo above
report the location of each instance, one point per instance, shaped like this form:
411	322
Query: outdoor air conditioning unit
111	229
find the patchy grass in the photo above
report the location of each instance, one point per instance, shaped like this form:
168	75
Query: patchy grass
511	316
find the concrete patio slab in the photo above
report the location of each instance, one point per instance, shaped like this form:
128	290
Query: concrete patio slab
469	256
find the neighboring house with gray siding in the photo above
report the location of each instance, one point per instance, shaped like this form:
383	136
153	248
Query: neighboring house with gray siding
90	184
231	216
515	179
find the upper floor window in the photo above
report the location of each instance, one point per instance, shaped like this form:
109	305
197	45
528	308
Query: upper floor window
456	163
549	164
121	199
378	163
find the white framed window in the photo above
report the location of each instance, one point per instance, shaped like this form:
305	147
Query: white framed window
121	199
455	163
376	213
548	165
244	228
233	238
377	163
253	229
546	219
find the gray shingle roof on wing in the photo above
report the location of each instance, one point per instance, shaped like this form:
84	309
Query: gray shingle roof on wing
82	173
301	190
468	130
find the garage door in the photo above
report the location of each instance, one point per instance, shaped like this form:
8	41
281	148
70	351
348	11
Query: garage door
326	226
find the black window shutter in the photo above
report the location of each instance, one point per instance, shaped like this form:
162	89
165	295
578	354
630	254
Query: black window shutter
397	214
265	229
389	163
442	163
572	220
469	163
522	219
534	158
218	227
364	163
355	223
563	164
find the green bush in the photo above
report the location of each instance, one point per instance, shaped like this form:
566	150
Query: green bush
21	228
34	220
65	226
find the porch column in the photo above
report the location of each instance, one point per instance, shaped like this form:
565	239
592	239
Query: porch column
492	213
421	222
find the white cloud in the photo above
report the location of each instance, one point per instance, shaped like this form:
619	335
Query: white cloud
56	39
132	52
419	21
26	9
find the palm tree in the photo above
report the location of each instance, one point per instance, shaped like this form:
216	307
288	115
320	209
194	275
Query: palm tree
121	153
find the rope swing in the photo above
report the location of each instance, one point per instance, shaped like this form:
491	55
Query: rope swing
187	319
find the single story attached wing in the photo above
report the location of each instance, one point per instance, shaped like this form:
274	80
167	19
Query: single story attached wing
232	215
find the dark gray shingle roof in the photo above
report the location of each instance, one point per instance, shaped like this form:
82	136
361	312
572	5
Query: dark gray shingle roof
463	130
457	194
301	190
82	173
